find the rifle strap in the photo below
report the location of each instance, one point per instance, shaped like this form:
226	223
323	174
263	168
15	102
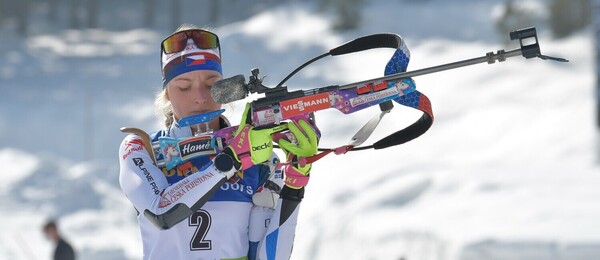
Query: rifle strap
415	100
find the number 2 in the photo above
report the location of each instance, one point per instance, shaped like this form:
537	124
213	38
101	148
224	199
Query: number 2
202	220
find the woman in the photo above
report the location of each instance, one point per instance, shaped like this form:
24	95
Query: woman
214	206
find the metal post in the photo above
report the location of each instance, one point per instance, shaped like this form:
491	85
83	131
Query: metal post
596	21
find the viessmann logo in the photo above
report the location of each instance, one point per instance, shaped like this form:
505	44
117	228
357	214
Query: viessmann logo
304	105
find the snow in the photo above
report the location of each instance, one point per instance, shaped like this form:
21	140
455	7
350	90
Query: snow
509	169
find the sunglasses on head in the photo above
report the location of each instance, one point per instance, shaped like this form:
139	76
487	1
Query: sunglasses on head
177	41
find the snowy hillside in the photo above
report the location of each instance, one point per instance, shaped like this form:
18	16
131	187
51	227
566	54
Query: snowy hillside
509	170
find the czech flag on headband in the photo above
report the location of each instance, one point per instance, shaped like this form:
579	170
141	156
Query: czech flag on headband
195	60
190	60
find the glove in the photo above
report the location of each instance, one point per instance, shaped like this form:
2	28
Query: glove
250	146
306	144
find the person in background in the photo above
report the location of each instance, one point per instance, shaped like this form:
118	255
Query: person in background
231	205
63	250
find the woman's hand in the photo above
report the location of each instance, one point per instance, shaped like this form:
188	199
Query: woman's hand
305	145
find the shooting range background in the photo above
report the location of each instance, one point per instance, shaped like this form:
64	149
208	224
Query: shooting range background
508	170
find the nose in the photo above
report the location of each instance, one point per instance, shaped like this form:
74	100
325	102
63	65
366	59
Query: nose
202	95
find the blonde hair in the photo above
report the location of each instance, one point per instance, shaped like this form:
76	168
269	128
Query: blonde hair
161	101
163	108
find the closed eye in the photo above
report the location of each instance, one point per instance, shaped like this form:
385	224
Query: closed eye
183	84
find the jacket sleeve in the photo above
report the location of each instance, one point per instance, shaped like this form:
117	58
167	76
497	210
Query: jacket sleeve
274	217
278	241
148	190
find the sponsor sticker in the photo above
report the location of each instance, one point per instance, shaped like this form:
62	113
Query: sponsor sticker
303	105
196	146
265	117
176	151
363	99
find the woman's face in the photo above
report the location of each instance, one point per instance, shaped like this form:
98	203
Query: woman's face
189	93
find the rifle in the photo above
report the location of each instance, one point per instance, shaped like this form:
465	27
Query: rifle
279	105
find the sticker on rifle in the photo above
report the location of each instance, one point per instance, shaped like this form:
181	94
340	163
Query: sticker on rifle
170	151
303	105
177	151
376	96
267	116
195	146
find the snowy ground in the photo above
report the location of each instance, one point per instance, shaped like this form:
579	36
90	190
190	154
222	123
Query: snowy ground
509	169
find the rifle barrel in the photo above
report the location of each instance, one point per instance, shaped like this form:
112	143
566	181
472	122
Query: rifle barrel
490	58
